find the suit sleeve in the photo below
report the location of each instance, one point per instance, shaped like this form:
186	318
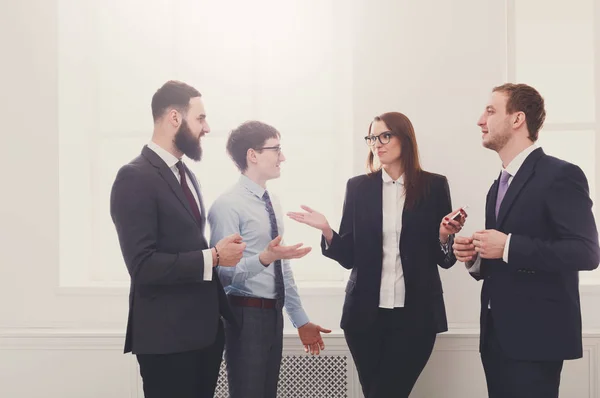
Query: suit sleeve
475	268
575	246
134	211
445	259
342	243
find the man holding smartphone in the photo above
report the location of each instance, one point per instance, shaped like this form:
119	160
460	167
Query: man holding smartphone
540	232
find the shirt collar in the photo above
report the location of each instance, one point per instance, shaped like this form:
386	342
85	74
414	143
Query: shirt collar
388	180
251	186
165	155
513	167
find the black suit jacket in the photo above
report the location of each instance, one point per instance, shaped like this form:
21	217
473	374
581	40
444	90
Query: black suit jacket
535	296
171	308
359	246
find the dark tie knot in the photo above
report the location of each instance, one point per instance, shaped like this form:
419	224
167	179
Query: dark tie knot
180	167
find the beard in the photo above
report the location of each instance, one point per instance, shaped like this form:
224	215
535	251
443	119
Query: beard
187	143
499	140
496	143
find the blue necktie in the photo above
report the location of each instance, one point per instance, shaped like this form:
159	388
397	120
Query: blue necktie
279	286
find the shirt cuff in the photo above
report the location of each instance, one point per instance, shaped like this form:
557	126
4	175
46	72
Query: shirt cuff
208	264
445	246
505	254
299	318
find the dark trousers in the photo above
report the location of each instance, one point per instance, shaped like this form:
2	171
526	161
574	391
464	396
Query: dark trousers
253	350
391	355
190	374
511	378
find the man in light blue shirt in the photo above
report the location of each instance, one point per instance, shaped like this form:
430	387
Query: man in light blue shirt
262	283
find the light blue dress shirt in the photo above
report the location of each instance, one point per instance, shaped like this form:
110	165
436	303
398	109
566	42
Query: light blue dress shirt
242	210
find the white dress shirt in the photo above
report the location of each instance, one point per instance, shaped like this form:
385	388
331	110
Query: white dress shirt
512	169
392	292
171	161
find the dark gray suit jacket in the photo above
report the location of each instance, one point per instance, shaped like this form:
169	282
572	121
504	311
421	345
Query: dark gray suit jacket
171	308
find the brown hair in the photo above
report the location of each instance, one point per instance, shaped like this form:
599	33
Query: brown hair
526	99
252	134
414	176
174	94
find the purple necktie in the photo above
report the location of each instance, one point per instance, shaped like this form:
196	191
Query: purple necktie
502	190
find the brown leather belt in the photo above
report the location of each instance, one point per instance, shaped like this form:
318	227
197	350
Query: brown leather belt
255	302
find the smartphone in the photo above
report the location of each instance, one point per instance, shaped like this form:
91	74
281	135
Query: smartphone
457	215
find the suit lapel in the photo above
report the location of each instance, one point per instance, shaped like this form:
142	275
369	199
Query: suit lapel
490	208
167	174
377	206
519	181
371	203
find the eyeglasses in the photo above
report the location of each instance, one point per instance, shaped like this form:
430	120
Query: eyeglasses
384	138
273	148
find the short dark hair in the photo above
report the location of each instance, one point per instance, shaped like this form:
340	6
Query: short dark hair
252	134
174	94
526	99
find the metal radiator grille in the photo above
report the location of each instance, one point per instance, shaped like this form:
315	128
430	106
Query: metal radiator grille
304	377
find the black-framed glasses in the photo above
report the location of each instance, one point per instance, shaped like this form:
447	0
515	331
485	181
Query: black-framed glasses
384	138
272	148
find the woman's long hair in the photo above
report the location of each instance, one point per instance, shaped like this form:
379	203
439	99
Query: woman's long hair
415	182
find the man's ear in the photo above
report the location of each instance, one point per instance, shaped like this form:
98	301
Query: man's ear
174	117
519	119
251	156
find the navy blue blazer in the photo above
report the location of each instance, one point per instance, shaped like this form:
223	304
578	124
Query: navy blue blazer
535	296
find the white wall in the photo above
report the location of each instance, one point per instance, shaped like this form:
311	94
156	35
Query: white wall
434	61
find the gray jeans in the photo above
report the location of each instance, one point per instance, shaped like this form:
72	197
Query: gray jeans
253	352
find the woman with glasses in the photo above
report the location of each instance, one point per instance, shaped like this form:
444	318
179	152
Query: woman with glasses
397	227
